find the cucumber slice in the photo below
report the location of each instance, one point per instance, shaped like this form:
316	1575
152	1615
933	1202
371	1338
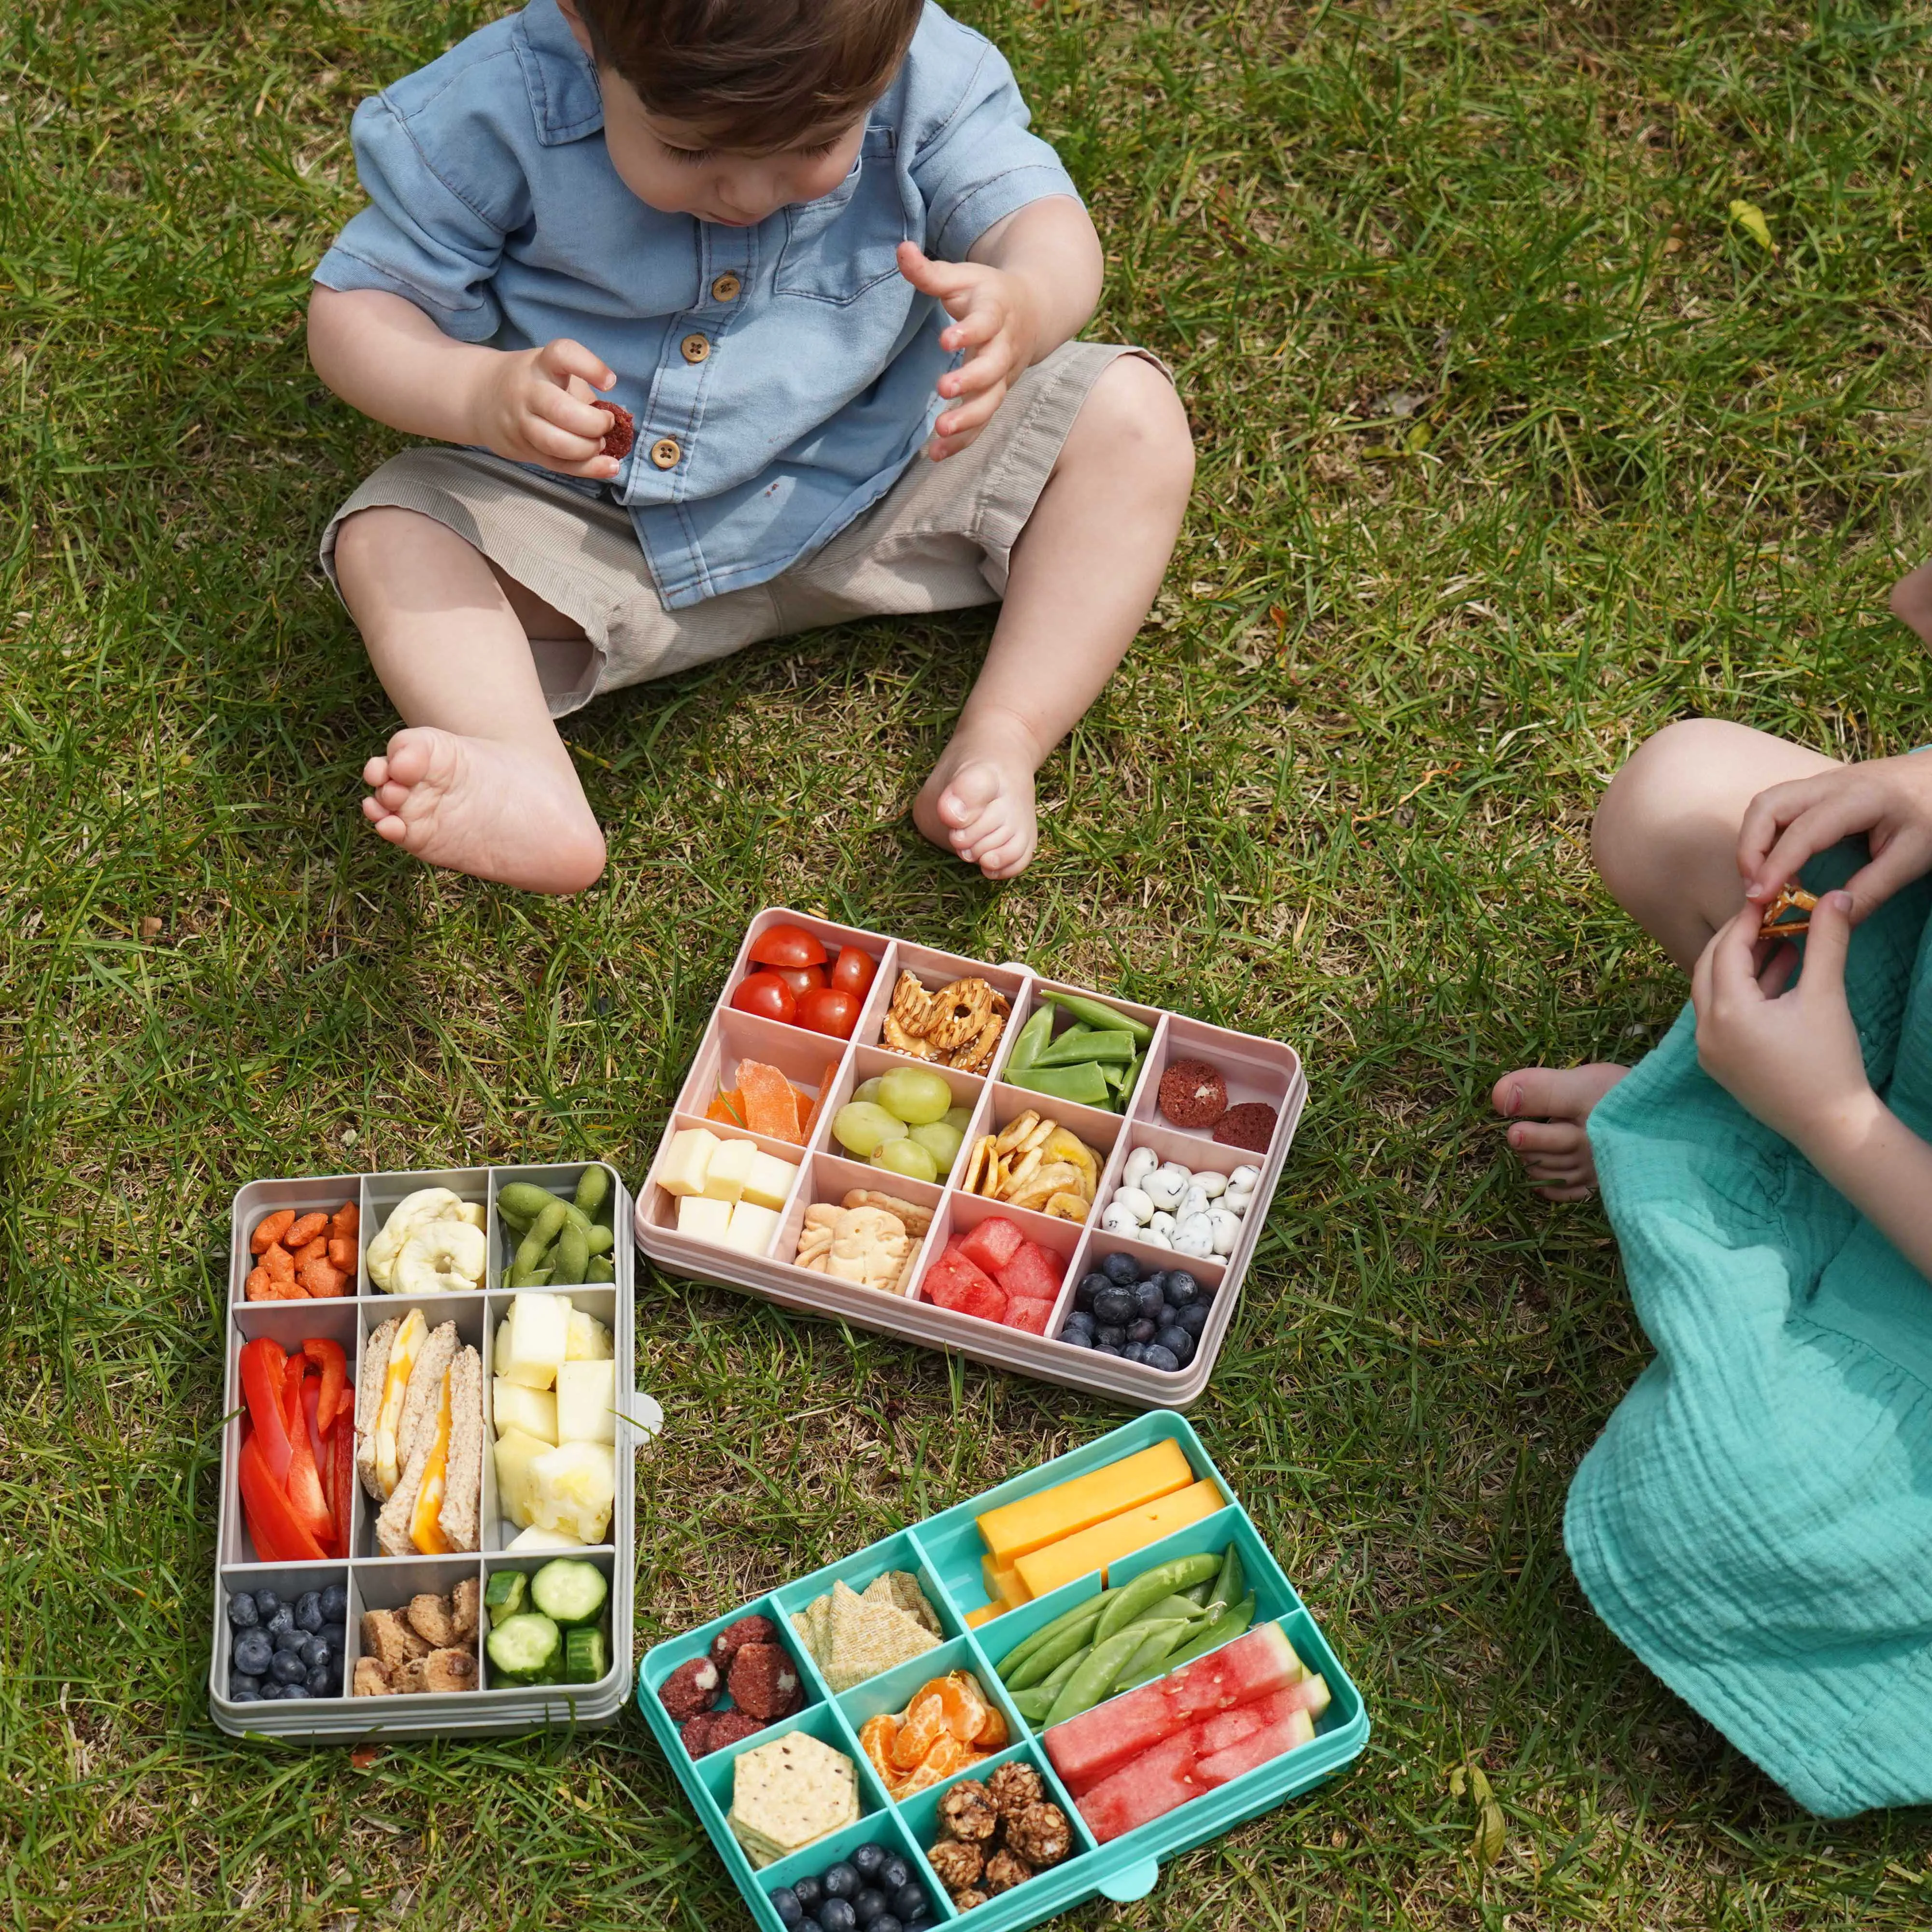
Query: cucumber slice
570	1592
504	1595
586	1656
523	1649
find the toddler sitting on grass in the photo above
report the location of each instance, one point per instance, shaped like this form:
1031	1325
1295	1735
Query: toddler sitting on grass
810	249
1756	1522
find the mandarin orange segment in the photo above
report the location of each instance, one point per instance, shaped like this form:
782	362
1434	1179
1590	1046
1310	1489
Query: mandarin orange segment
924	1724
993	1735
965	1710
875	1740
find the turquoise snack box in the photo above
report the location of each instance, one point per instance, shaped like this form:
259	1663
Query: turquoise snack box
944	1552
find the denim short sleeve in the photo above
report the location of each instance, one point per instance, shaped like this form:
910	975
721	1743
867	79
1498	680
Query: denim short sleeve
422	237
980	163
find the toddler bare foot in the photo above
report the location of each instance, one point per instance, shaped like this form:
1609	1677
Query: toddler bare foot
1912	601
1549	1105
488	809
979	802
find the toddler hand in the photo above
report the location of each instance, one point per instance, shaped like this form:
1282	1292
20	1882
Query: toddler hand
538	405
1790	1058
1888	799
994	313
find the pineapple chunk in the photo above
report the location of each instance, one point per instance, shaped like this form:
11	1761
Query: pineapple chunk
514	1406
516	1453
572	1488
588	1340
530	1344
587	1393
526	1541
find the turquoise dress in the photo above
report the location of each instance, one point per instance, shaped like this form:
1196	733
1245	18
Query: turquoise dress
1756	1522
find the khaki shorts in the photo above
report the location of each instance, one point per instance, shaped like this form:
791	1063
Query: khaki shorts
938	540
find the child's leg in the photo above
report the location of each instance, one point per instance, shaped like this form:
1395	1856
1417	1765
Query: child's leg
1082	578
1665	841
480	781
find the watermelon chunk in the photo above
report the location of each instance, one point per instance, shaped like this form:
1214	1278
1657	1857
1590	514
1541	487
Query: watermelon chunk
1033	1316
1148	1787
1031	1272
1087	1748
1269	1741
954	1282
992	1244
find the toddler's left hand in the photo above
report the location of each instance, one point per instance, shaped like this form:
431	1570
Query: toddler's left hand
994	313
1791	1058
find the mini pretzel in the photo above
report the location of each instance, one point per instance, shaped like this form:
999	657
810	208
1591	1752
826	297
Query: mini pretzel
912	1006
1790	899
900	1041
957	1013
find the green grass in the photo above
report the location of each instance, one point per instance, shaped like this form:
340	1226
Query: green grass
1514	445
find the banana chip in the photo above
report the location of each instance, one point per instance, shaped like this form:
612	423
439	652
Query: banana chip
1035	1163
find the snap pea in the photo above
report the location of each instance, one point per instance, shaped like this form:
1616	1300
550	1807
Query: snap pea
1075	1636
1087	1608
573	1252
1156	1640
1085	1085
1149	1586
601	1268
1096	1675
601	1240
522	1199
1228	1587
1029	1040
591	1186
543	1230
1033	1702
1077	1045
1102	1018
1182	1606
1230	1624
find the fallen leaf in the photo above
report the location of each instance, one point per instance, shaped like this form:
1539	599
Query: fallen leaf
151	928
1750	218
364	1755
1487	1844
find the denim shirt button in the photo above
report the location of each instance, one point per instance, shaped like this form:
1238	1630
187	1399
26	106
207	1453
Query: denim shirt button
726	288
665	452
695	348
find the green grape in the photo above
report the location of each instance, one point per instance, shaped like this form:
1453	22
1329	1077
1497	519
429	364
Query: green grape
960	1117
942	1140
907	1157
868	1090
859	1126
916	1095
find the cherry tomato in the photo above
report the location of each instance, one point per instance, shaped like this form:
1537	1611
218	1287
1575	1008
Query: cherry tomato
829	1009
802	980
787	946
768	996
854	972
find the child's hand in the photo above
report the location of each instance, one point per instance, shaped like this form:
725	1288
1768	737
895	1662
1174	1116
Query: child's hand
994	313
1888	799
1790	1058
537	406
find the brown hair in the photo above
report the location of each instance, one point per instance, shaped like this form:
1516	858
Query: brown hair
754	73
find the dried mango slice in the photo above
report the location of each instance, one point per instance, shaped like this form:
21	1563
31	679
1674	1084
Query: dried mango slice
728	1108
771	1104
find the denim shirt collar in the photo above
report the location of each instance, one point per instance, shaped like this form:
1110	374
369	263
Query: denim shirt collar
566	100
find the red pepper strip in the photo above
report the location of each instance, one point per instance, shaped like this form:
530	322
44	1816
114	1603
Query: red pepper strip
329	1358
318	1448
279	1538
342	1473
292	1372
261	1379
304	1487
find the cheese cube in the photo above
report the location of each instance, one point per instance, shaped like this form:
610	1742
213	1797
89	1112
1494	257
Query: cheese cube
515	1453
514	1406
730	1167
587	1393
703	1219
588	1341
530	1344
752	1228
687	1161
768	1184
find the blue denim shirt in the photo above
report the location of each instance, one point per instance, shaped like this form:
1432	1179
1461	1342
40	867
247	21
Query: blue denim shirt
494	207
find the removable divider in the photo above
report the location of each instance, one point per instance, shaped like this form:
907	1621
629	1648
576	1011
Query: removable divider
871	1062
891	1692
389	1584
884	1828
260	1199
1251	1068
657	1208
1042	991
562	1180
381	1191
716	1775
902	1552
289	1581
604	1559
933	970
960	1214
828	1180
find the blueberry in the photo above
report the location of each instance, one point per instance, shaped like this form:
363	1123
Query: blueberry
909	1900
1149	1297
322	1682
313	1652
784	1903
1079	1319
887	1921
1180	1287
1156	1356
1116	1308
1142	1330
285	1667
282	1619
245	1696
1109	1335
253	1651
1106	1348
1086	1288
239	1681
335	1635
1193	1318
808	1892
308	1610
291	1639
868	1905
840	1881
894	1875
335	1604
289	1692
1133	1352
242	1614
1121	1269
1077	1338
1178	1343
266	1604
836	1915
866	1860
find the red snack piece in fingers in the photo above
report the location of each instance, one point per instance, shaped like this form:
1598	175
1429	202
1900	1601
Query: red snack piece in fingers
622	432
